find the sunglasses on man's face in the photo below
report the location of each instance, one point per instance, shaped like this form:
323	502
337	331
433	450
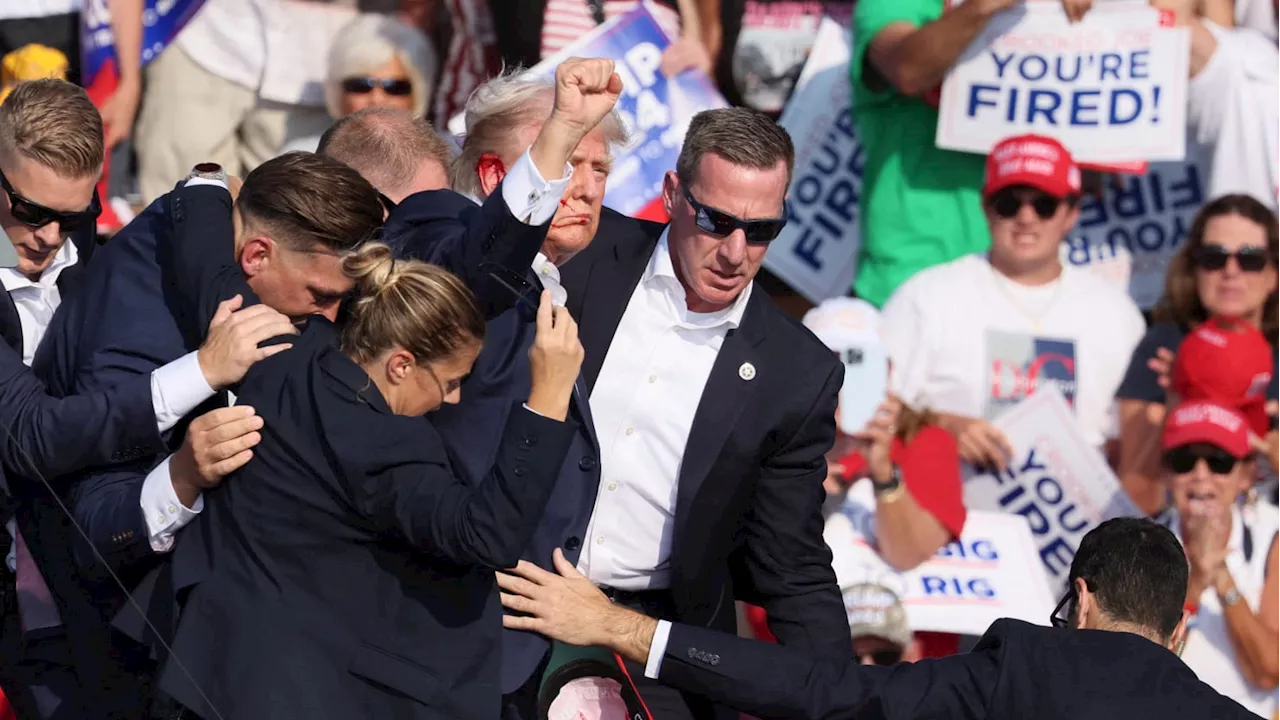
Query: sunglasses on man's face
883	658
1184	459
361	85
722	224
1009	202
1250	259
523	290
35	215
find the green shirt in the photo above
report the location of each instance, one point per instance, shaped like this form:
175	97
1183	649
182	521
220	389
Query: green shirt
921	206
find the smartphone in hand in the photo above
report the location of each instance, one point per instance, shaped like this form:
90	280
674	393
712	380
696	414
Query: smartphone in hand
866	380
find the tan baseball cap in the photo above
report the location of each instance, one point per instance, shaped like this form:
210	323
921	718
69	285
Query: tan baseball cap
875	611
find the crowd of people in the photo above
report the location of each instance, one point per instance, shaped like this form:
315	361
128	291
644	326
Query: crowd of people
311	409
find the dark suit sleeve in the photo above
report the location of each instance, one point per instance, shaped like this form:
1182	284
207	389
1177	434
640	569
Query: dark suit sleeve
783	564
488	234
200	254
48	437
488	524
108	506
773	681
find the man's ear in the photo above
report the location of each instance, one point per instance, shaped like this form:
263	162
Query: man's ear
670	186
1085	603
1178	639
491	171
256	254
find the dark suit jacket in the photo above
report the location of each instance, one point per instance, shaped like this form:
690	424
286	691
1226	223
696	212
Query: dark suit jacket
431	226
47	438
748	521
352	570
1017	670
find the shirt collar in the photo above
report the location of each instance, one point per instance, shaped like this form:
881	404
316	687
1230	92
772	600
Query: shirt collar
66	256
661	273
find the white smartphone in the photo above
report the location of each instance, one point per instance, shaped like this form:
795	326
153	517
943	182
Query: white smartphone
866	380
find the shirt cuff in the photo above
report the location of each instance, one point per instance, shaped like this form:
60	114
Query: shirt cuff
192	182
178	388
164	512
657	649
529	197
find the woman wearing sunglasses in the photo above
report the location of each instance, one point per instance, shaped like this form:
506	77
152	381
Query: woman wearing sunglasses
1232	591
376	61
1226	269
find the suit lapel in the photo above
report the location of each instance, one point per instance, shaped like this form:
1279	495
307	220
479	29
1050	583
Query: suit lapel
729	388
599	306
10	323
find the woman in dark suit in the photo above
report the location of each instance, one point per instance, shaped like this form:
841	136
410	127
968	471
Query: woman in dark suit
352	572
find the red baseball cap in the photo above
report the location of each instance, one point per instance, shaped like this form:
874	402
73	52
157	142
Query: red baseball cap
1032	160
1207	422
1228	362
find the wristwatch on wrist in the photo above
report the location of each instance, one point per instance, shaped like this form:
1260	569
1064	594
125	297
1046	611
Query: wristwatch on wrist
209	171
1231	596
891	490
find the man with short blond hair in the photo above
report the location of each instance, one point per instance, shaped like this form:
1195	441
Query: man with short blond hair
397	153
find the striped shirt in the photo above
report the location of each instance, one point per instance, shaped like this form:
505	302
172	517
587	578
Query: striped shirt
566	21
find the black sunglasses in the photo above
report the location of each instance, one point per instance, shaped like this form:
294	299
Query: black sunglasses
361	85
1184	459
1215	257
1008	203
35	215
1059	617
883	658
722	224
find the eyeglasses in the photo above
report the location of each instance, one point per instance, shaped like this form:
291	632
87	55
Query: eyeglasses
882	657
1250	259
1184	459
35	215
1008	203
722	224
361	85
1059	618
446	389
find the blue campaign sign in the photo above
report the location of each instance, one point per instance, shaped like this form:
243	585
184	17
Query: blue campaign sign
656	109
161	22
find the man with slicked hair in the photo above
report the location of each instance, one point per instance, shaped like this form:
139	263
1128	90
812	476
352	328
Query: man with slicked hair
397	153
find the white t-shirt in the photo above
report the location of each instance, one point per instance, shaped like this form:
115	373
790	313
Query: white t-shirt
1233	110
965	340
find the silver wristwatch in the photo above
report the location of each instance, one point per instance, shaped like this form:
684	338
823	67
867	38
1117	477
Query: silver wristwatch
1231	597
209	171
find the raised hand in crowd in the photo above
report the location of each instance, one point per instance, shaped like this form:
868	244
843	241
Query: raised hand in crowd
1076	9
980	443
554	360
217	444
234	335
687	53
1205	532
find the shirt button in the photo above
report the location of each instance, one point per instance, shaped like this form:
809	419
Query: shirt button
160	519
613	486
171	509
653	379
630	430
600	540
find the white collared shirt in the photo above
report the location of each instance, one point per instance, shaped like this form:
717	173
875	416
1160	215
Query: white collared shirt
176	388
643	406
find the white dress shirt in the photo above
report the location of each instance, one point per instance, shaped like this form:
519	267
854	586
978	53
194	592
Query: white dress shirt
176	388
530	198
643	406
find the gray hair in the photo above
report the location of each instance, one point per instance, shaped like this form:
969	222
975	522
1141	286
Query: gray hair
372	40
498	109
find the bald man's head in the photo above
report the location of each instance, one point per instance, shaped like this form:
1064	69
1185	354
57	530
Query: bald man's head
396	152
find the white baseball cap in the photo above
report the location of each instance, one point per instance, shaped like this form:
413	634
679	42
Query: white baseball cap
844	322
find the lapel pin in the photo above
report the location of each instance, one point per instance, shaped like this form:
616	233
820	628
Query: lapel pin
747	371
